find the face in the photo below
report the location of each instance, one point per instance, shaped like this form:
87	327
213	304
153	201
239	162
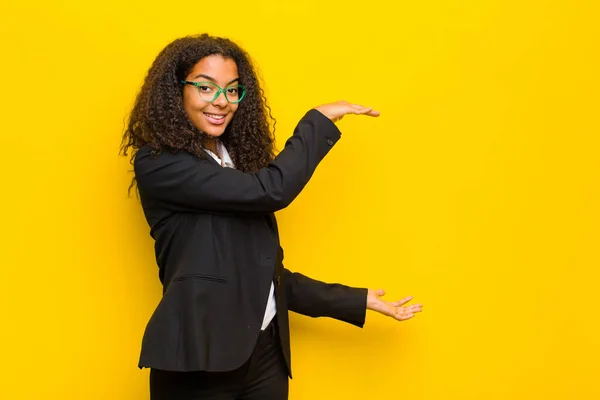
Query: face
211	117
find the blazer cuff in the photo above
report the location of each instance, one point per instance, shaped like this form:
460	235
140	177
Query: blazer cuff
356	306
332	134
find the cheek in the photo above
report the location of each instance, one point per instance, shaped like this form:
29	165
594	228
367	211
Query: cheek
191	102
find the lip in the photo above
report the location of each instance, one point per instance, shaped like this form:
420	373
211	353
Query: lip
215	121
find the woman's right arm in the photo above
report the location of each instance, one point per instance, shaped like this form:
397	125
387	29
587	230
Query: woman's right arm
183	182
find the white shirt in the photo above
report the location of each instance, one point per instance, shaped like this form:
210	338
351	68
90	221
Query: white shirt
225	161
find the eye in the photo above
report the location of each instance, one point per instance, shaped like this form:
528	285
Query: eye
205	88
232	90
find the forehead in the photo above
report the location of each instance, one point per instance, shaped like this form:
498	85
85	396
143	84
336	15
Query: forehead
219	68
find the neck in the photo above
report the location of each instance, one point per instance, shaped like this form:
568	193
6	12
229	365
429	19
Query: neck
211	144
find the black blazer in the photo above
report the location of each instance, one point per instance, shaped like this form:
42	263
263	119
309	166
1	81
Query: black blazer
217	249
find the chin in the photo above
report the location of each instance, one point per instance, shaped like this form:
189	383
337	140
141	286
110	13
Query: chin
212	132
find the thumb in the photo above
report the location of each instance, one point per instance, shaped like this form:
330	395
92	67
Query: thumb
380	292
361	110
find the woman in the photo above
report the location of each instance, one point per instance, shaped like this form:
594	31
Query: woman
209	184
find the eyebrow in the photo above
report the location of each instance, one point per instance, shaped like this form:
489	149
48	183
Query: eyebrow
213	79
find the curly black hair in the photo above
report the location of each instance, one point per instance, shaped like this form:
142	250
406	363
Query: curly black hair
159	120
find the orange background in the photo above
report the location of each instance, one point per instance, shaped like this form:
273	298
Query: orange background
476	191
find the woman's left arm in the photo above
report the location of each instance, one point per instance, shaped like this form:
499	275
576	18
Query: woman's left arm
314	298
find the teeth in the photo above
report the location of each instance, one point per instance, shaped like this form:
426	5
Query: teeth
215	116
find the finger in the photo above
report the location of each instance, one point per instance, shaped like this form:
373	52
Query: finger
400	303
367	111
404	317
360	110
360	107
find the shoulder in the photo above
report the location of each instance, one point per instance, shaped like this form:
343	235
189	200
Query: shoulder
150	163
146	155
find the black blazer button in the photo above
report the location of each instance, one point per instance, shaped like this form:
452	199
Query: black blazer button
278	281
330	142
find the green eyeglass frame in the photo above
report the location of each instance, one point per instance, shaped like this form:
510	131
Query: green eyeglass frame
241	90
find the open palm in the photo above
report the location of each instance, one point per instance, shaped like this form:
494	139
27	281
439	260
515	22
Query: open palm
396	309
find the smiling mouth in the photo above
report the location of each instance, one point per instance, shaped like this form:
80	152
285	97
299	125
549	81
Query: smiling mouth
215	116
215	119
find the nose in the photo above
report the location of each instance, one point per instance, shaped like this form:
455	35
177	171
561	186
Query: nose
220	101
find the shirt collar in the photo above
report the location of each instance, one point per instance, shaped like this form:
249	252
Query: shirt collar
224	159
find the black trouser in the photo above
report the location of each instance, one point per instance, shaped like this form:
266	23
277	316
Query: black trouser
263	376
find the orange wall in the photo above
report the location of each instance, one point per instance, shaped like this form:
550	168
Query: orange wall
476	191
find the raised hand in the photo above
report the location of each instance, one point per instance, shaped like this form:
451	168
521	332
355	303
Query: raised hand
336	111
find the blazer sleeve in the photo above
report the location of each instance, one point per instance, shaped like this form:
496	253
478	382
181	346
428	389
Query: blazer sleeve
319	299
184	182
